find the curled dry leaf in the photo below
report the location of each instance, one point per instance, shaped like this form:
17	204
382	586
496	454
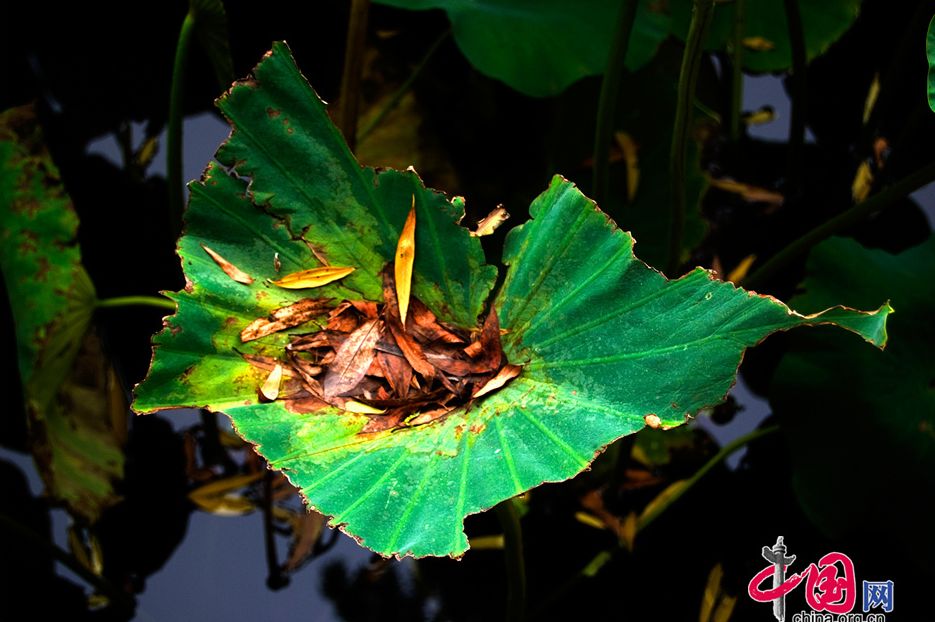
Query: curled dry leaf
229	269
489	223
503	376
270	389
405	256
314	277
285	317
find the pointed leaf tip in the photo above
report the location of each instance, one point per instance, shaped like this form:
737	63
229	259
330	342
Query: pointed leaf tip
405	256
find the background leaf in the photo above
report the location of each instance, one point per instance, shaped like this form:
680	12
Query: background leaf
864	415
73	403
540	47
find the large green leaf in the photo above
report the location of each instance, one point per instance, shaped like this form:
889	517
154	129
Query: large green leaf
604	339
823	22
866	416
52	299
539	47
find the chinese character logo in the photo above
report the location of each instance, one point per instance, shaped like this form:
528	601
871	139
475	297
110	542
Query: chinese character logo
830	584
878	594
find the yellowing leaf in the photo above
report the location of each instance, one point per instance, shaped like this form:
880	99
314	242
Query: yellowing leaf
740	272
629	148
863	182
353	406
315	277
218	497
489	223
405	255
270	389
758	44
229	269
766	114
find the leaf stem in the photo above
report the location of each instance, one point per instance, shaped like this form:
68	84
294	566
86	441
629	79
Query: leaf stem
174	133
349	101
688	79
607	103
515	562
403	88
881	200
799	97
726	450
275	579
122	600
736	109
129	301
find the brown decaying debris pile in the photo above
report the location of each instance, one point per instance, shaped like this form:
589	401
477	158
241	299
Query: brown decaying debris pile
365	361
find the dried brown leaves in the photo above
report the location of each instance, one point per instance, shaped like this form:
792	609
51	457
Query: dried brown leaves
366	360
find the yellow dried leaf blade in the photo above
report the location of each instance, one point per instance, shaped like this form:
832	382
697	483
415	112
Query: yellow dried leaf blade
503	376
314	277
270	389
229	269
405	256
353	406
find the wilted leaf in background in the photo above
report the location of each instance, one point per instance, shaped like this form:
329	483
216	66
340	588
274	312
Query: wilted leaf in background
75	407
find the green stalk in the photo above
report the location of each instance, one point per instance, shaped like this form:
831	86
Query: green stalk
515	563
799	97
736	109
174	137
403	89
715	460
128	301
607	104
349	100
688	80
901	189
602	558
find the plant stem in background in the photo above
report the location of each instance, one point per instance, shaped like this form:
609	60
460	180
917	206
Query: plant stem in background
607	104
403	89
799	98
688	79
515	562
601	559
118	598
349	101
736	93
130	301
275	578
883	199
648	517
174	137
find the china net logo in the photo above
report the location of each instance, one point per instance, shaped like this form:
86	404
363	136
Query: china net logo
830	586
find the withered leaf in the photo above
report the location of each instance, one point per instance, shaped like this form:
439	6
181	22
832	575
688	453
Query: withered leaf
503	376
409	347
314	277
405	256
285	317
489	223
270	389
229	269
352	360
630	156
397	371
491	350
425	325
